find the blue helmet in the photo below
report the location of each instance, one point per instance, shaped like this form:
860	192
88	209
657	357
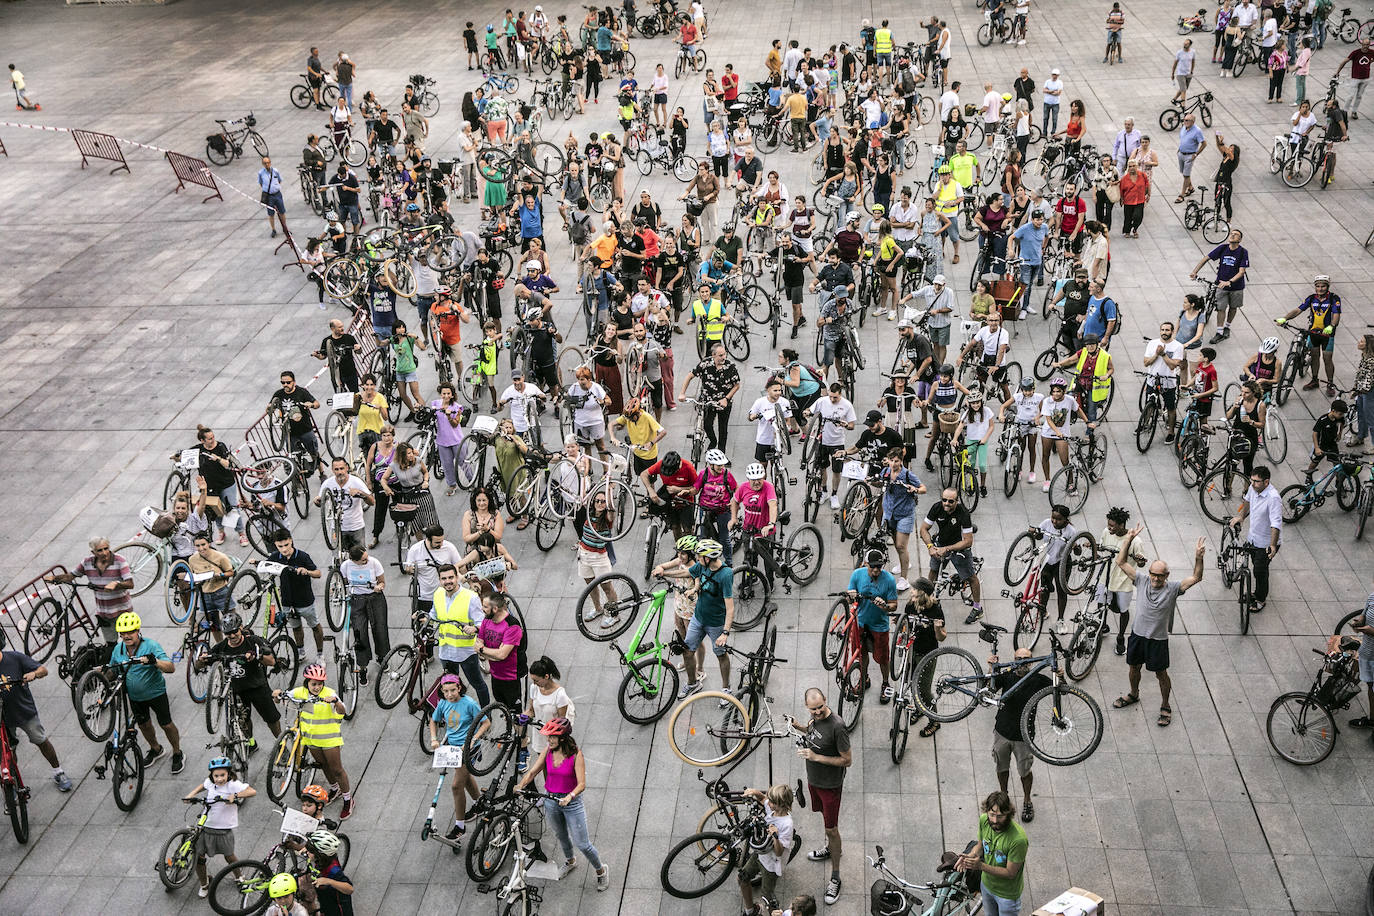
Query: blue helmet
220	763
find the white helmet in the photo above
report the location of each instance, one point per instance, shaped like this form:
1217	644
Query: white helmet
853	217
716	456
755	471
533	265
1269	345
1321	278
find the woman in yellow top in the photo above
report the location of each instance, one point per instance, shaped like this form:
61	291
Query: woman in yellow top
889	262
321	723
372	413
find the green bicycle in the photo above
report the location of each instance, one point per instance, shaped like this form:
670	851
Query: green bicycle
178	861
650	684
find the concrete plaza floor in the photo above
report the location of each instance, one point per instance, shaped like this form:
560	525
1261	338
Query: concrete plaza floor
131	314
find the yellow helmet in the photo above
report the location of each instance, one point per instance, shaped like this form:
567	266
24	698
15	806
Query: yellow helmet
128	622
281	885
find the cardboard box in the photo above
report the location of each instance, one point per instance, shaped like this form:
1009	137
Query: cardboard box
1074	901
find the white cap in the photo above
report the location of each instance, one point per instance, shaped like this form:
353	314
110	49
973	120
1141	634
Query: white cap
939	279
1054	72
866	22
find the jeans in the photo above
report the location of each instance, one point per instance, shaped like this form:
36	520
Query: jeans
369	616
229	497
719	523
471	670
347	92
1000	906
1364	415
1029	272
1318	33
1300	87
1259	562
1050	122
570	826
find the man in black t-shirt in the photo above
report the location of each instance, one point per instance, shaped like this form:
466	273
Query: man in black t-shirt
247	659
729	245
1326	436
296	402
925	640
21	712
793	259
543	357
384	134
314	75
631	255
1007	739
346	185
344	345
1072	300
878	436
947	532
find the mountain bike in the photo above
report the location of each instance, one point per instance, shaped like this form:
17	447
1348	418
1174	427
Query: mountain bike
1011	451
1233	559
1025	561
842	648
1151	410
1343	478
651	681
177	863
50	622
957	894
1062	724
16	793
904	684
1224	482
290	763
1087	463
798	561
1171	117
105	713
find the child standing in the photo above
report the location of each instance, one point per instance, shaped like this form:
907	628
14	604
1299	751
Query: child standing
470	41
224	793
767	862
458	713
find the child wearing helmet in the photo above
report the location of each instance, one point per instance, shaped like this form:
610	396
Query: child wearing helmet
286	897
1056	425
713	615
321	724
1027	402
332	887
225	794
145	678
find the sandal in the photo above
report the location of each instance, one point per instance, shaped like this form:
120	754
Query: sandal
1166	715
524	523
1129	699
930	729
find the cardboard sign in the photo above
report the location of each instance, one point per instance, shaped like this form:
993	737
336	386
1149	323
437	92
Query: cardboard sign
446	755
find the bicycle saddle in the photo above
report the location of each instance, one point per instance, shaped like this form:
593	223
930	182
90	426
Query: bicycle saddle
989	632
949	859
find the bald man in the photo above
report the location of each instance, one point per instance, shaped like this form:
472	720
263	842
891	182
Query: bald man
1007	739
1156	599
825	748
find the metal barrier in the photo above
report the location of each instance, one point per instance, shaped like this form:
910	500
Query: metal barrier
361	329
94	145
18	606
195	171
3	150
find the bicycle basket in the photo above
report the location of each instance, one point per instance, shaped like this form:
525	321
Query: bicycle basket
404	512
1051	153
887	899
695	206
532	825
608	169
156	522
1341	682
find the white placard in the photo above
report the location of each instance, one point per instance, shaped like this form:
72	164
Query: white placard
342	400
270	569
855	470
190	459
206	576
298	823
447	755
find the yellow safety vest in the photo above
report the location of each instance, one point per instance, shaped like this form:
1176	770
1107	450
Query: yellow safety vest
882	41
945	197
712	319
320	723
452	613
1102	383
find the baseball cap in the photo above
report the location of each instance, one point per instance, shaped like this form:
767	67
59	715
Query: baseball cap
1054	72
517	373
939	278
872	418
904	323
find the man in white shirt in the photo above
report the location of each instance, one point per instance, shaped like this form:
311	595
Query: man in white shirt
949	101
423	560
791	59
519	394
352	494
1127	142
837	415
905	216
1053	88
991	343
1245	18
426	283
1269	36
646	298
992	105
762	411
1163	356
1264	507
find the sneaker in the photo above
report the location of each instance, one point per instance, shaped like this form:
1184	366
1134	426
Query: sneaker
204	891
834	500
591	614
252	746
1169	437
724	702
347	810
153	754
897	567
243	539
819	855
832	890
1256	607
1352	441
603	877
1362	722
566	868
64	782
1030	478
178	762
892	315
611	621
1028	812
1120	648
522	760
219	536
456	831
688	689
878	313
1046	487
362	677
886	696
973	616
982	490
929	466
902	584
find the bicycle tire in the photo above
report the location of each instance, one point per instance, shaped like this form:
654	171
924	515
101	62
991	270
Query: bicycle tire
95	707
222	155
177	863
625	506
346	685
1215	228
900	729
335	596
855	509
43	629
806	551
1085	645
240	888
198	678
126	774
1299	171
1060	721
485	752
1145	427
1275	433
145	562
689	727
1220	490
1347	491
1022	552
1244	595
1011	471
1030	624
751	597
1363	510
1169	119
624	608
1303	716
393	676
216	699
939	668
849	702
1192	461
283	673
281	766
1069	487
520	490
654	682
1077	565
301	96
709	853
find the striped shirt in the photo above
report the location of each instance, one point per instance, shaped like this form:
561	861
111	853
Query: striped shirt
108	604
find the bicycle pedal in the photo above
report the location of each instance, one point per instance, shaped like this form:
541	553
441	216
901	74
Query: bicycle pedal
100	772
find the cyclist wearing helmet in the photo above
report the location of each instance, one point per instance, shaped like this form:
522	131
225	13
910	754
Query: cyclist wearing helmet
876	590
1056	425
643	432
1324	313
1027	402
321	724
848	242
676	568
976	425
764	412
888	264
708	314
715	489
944	397
1164	356
1264	367
225	793
147	686
112	579
1233	261
458	713
284	893
247	659
673	497
759	504
713	616
1092	379
333	888
564	769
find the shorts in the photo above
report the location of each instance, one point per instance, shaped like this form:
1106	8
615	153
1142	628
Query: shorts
885	59
795	294
763	452
1185	164
507	693
1366	675
875	642
260	698
1114	38
1183	81
1170	395
696	631
305	614
157	705
1120	602
1230	298
624	124
351	539
951	231
939	337
275	203
829	350
34	729
828	455
904	525
660	98
960	560
214	604
214	841
591	433
547	376
752	869
411	376
827	802
107	629
591	564
1152	653
1004	748
1316	340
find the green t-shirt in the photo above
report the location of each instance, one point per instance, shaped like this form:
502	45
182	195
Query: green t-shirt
1010	845
405	355
716	586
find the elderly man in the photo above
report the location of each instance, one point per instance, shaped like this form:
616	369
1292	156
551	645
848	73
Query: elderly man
1127	142
111	579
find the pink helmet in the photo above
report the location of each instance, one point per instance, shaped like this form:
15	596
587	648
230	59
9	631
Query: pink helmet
315	672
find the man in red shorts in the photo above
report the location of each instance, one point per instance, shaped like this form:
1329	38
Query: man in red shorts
825	748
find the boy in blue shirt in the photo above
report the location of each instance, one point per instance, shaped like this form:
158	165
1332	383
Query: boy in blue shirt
147	687
876	590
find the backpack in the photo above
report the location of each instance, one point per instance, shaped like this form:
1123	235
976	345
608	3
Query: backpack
522	649
579	228
907	83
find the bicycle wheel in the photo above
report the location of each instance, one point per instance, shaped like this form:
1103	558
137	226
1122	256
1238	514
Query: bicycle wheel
1086	644
393	676
1062	724
281	766
1011	471
1020	559
1220	492
709	729
1169	118
335	595
1192	461
1299	171
617	610
127	774
1347	491
850	695
338	435
240	888
1275	436
145	562
198	668
177	863
1069	486
751	597
1145	427
854	510
1300	729
805	551
736	340
288	657
177	591
900	729
954	676
520	491
301	96
1077	565
216	699
1030	623
483	752
1244	596
698	865
624	505
648	690
95	706
346	685
1215	228
1363	510
43	628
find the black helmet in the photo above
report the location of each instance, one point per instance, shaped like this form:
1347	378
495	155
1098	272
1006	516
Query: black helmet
671	463
230	622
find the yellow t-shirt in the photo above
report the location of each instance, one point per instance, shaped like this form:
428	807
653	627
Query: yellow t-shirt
961	168
796	105
370	417
642	433
888	249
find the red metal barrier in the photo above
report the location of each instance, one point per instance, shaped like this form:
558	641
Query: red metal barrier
195	171
18	605
93	145
3	150
258	438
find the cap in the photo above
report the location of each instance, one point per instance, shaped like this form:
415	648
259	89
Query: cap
904	323
1054	72
872	418
517	373
939	279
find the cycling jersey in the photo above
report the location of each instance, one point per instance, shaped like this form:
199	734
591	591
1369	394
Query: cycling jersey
1323	311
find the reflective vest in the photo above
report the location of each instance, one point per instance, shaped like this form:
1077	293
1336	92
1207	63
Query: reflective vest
711	318
946	196
452	613
1102	383
320	722
882	41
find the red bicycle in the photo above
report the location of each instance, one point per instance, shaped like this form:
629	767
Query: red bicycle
842	651
1024	562
16	793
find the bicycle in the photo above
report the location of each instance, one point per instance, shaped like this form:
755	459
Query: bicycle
177	864
689	60
842	648
956	895
1090	626
1171	117
105	713
1197	214
999	31
1364	505
1301	725
1011	451
404	674
1343	478
227	145
303	95
765	562
1025	561
16	793
1053	717
1233	559
1087	464
424	98
240	888
1151	409
50	622
290	764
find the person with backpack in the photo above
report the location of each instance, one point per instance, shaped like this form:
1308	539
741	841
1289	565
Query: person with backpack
502	642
